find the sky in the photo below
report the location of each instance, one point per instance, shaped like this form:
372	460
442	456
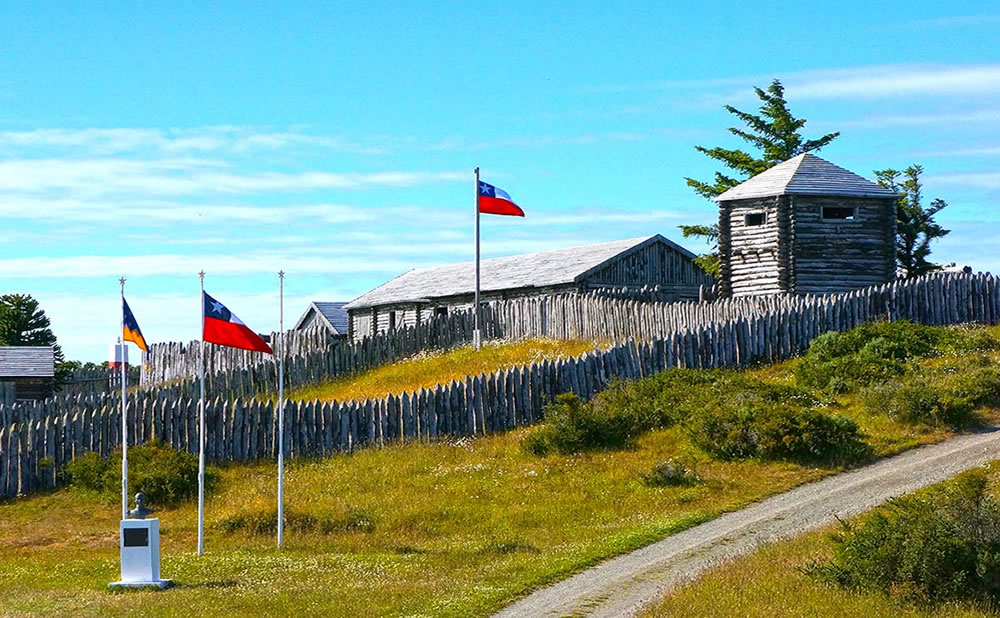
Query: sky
336	141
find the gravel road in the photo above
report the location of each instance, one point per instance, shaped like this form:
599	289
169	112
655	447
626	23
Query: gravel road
623	586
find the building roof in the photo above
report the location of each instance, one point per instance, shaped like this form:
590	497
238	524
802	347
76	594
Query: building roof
541	269
331	315
805	174
27	362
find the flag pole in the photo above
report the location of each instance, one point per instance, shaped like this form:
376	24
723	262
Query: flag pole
281	406
476	337
201	427
121	360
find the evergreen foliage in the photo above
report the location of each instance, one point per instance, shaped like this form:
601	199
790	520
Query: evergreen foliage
774	133
915	225
24	323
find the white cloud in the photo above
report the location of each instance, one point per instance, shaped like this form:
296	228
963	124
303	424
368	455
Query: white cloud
981	180
101	177
895	81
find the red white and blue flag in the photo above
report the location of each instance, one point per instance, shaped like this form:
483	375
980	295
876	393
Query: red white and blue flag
221	326
495	201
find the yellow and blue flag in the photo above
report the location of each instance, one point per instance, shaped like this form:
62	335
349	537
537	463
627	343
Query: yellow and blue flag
130	329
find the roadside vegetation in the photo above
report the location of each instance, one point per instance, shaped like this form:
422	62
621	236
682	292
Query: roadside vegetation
465	527
932	553
430	369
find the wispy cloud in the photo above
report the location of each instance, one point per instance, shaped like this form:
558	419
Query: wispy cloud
895	81
989	116
980	180
94	177
202	140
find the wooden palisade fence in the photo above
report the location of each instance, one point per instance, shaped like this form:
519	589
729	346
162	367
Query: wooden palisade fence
37	440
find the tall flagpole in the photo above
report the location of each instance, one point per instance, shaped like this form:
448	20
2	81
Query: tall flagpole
201	427
121	360
476	337
281	407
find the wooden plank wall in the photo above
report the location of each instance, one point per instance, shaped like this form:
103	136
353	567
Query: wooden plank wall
37	440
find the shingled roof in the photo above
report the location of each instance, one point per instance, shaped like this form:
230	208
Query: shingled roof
27	362
805	174
546	268
332	314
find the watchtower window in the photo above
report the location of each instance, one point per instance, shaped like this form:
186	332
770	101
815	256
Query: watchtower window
754	218
440	311
840	213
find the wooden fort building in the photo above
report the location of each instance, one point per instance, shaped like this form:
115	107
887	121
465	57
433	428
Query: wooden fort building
27	371
805	226
417	295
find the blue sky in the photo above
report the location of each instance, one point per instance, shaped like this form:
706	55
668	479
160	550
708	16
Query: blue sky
336	141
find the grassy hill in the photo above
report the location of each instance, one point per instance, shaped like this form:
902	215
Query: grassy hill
430	369
452	528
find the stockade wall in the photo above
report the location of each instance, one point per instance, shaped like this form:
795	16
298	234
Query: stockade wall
42	438
94	381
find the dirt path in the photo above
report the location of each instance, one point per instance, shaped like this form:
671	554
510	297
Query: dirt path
623	586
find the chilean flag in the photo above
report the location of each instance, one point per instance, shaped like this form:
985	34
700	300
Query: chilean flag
494	201
224	328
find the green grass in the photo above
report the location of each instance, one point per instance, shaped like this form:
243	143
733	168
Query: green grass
428	370
772	582
456	528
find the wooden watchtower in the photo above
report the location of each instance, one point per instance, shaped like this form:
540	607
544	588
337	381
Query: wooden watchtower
806	226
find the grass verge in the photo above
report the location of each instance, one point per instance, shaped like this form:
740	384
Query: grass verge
774	581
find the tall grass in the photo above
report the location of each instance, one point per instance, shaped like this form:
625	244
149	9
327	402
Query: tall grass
429	369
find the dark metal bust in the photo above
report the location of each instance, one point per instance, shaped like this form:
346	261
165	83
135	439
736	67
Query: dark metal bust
140	511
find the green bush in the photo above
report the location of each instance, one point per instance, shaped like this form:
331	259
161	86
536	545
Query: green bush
672	473
932	548
776	431
936	397
572	426
165	475
869	354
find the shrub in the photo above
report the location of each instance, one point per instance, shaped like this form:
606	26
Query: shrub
932	548
936	398
869	354
671	473
165	475
572	426
776	431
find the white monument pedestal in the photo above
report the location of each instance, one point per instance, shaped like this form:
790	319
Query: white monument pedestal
140	554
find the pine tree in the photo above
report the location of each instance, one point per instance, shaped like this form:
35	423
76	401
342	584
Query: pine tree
23	323
774	133
915	225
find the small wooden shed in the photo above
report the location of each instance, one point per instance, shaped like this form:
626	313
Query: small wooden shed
31	370
419	294
806	226
327	315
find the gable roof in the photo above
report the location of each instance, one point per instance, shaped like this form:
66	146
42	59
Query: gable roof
332	315
805	174
27	361
545	268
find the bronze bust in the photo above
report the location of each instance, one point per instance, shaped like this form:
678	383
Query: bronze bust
140	511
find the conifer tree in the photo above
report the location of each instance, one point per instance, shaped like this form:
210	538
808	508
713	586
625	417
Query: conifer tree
774	133
915	225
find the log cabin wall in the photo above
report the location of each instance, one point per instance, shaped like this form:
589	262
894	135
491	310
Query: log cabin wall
750	248
654	264
831	255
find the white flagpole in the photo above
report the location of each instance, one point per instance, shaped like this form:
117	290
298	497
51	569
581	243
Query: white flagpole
121	360
201	427
476	337
281	407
